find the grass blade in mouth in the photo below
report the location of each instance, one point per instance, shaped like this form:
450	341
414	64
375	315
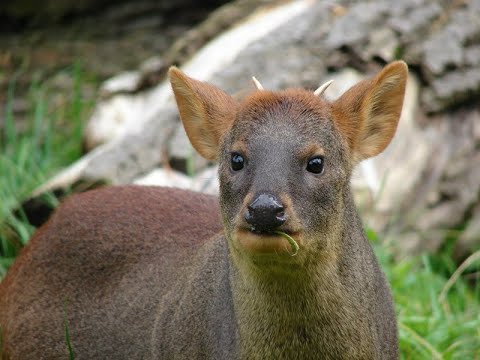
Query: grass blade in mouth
291	240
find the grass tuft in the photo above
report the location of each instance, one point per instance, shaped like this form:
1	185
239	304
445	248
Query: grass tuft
291	241
71	354
438	318
32	150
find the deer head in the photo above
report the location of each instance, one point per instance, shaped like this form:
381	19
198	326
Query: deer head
286	157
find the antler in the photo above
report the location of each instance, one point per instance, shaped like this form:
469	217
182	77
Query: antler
322	88
257	83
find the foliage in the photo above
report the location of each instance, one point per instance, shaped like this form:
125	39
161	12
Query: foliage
32	150
436	321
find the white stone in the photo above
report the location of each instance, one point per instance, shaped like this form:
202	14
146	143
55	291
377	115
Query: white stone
125	81
165	177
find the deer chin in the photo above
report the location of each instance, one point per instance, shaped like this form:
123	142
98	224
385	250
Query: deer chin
265	242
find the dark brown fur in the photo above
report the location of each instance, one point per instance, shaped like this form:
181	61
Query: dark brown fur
149	273
117	263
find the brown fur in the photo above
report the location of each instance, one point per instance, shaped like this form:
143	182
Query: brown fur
144	272
205	102
106	260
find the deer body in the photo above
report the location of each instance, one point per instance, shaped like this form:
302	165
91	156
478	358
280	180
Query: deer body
160	273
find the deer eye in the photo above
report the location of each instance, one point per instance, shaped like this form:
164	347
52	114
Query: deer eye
315	165
237	162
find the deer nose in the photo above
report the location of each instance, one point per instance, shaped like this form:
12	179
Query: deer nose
265	213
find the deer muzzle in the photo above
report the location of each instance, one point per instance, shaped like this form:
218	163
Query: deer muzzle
265	213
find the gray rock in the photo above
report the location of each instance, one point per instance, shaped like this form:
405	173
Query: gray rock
453	183
442	50
207	181
342	81
122	160
452	88
470	238
356	26
182	155
383	44
472	56
165	177
410	20
123	82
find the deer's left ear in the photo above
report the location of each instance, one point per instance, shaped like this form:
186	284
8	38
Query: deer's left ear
368	113
206	112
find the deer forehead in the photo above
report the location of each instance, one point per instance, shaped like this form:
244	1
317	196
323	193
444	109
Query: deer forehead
293	116
298	104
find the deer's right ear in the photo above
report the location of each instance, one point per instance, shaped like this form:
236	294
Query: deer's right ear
206	112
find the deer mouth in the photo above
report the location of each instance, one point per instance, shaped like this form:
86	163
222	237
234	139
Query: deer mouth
257	241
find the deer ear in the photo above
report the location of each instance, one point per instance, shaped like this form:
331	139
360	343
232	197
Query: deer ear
368	113
206	112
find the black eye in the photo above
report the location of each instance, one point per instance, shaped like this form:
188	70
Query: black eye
315	165
237	162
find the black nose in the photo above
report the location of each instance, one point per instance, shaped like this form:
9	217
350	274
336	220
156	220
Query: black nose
265	213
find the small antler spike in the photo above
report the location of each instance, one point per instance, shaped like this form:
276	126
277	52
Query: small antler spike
257	83
322	88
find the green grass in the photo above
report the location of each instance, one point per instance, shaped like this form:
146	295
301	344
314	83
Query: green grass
438	318
436	321
71	353
49	140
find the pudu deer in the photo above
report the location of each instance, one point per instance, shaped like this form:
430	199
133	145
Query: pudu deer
145	272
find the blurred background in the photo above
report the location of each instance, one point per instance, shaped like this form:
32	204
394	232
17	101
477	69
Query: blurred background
84	102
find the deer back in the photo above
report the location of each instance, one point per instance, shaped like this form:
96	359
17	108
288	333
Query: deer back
132	272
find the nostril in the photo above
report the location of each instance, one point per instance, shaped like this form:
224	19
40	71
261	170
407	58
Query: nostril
281	217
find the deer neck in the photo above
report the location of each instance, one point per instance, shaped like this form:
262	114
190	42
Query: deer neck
279	311
297	311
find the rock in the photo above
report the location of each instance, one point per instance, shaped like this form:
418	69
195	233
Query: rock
342	81
182	155
470	238
442	50
123	82
452	88
184	48
415	17
120	161
472	56
452	184
165	177
113	117
356	25
384	45
207	181
114	114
